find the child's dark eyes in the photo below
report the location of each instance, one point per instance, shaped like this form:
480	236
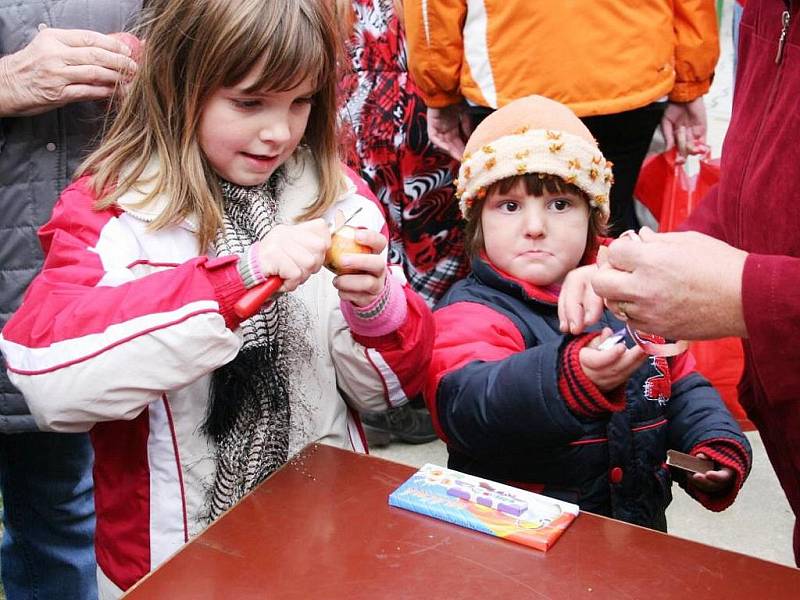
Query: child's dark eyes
509	206
560	204
305	100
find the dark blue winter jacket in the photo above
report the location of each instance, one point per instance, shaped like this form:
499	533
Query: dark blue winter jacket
508	396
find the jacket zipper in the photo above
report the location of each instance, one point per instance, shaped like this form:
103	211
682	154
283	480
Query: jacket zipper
786	18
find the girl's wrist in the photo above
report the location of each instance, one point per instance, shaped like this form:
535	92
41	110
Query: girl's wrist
383	315
250	268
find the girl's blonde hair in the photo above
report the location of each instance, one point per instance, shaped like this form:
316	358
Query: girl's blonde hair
191	49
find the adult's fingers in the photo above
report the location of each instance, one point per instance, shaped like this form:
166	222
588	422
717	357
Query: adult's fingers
466	124
92	75
624	254
648	235
84	38
614	285
99	57
668	131
82	92
570	317
451	144
680	140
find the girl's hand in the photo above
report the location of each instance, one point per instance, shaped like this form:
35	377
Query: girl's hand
294	252
610	368
578	304
363	288
712	482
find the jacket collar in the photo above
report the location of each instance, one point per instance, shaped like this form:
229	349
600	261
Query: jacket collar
133	200
302	188
495	277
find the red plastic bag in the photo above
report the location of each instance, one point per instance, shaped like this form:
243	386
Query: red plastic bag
671	195
668	192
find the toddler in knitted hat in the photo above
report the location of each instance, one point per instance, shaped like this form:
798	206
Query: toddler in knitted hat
516	399
534	147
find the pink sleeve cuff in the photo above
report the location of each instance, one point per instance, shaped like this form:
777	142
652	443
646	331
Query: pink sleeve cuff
381	317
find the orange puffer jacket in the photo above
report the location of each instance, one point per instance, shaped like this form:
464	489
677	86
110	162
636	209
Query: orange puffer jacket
596	56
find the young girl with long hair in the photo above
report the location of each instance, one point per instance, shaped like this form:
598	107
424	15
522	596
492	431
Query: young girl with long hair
219	171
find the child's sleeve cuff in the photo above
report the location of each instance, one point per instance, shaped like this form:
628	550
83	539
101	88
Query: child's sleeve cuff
382	316
228	286
582	396
726	453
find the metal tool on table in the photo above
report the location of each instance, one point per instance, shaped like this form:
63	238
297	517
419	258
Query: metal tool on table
256	296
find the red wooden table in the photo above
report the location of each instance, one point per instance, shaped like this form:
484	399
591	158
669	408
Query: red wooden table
321	528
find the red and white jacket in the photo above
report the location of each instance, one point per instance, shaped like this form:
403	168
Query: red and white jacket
121	330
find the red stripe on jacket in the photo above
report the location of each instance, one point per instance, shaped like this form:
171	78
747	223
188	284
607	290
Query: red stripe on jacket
122	538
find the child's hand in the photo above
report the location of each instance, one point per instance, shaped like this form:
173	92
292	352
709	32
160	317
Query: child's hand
712	482
294	252
612	367
578	305
364	287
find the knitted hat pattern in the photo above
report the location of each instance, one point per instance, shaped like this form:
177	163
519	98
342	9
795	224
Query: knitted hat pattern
533	135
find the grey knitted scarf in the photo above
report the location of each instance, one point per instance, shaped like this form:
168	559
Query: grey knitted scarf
248	415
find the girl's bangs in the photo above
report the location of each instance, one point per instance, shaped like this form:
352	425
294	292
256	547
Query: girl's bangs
286	55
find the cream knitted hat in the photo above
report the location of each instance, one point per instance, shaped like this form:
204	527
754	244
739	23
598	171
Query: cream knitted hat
533	135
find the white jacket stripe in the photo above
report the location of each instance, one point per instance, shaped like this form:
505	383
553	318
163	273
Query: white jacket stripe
476	50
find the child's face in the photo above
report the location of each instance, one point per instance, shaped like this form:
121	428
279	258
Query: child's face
538	239
246	136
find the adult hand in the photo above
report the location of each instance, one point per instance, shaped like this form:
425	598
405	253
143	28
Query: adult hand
578	304
448	129
611	367
678	285
61	66
684	124
294	252
363	287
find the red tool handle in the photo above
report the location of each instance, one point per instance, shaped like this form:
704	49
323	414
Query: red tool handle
255	297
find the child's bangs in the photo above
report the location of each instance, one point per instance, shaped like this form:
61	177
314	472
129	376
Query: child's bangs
286	54
536	184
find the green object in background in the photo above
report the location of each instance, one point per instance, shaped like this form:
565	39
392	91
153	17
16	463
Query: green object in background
719	11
